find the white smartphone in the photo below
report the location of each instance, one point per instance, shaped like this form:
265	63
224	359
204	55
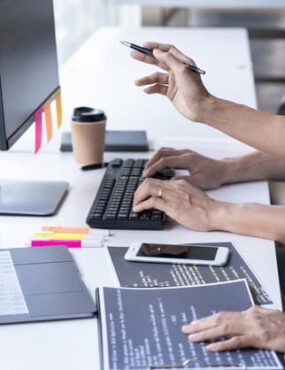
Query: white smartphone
178	253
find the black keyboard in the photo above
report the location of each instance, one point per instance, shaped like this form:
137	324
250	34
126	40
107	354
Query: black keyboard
112	207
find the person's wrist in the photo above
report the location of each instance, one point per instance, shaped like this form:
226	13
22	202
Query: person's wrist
230	171
218	215
206	109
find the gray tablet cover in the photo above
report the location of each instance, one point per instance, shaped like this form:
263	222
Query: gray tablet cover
115	141
51	286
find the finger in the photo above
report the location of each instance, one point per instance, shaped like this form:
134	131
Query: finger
150	187
229	344
156	89
180	177
231	319
143	58
152	202
158	77
157	45
163	152
169	60
214	333
168	48
198	326
171	161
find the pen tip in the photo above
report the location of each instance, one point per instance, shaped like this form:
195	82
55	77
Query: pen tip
125	43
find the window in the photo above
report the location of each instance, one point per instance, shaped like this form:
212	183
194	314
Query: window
75	21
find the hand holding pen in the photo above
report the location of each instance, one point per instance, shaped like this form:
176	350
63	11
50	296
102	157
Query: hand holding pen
149	52
183	86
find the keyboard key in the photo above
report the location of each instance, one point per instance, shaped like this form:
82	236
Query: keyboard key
139	163
128	163
156	212
133	216
110	216
116	162
156	217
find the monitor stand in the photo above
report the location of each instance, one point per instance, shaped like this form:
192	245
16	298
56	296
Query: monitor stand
29	198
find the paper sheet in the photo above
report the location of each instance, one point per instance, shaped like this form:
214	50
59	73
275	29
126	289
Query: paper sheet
12	301
143	274
142	328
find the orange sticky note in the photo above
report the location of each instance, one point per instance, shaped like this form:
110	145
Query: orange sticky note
38	129
58	108
71	230
48	117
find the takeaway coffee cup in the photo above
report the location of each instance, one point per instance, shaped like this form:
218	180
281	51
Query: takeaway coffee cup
88	135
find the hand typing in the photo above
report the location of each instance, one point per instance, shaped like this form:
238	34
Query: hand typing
204	172
180	200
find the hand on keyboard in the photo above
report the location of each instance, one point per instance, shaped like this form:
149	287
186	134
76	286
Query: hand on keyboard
203	172
178	199
112	207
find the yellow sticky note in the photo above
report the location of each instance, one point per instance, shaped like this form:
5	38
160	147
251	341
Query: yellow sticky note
58	236
58	108
48	118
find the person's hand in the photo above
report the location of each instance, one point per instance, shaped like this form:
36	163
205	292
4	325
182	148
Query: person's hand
257	327
204	172
180	200
182	86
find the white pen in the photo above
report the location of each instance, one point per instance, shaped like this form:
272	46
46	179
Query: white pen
95	243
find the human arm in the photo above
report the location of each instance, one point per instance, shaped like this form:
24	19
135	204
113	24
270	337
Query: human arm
186	91
207	173
256	327
192	208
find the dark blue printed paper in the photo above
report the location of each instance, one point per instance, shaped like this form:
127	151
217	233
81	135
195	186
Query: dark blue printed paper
143	274
142	327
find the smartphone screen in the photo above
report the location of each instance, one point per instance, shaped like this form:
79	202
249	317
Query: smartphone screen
192	252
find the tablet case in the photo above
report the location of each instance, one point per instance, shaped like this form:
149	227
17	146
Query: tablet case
51	286
116	141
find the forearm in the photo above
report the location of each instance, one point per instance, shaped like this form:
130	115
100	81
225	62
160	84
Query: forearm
251	219
253	167
261	130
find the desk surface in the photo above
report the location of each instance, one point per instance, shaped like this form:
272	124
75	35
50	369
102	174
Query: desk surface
50	344
73	345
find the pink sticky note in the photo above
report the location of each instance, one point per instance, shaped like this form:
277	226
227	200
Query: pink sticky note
56	243
38	129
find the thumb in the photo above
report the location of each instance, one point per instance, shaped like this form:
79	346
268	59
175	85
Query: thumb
168	59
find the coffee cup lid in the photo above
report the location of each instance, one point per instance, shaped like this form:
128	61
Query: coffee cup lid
86	114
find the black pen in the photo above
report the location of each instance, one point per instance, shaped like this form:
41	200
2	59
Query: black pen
149	52
95	166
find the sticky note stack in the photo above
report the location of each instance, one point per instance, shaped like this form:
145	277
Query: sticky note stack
70	237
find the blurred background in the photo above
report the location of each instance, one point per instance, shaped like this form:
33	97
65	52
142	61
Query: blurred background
76	20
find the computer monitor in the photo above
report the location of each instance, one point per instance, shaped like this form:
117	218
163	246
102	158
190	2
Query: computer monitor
28	79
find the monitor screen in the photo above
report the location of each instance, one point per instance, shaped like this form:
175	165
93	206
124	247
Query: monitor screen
28	64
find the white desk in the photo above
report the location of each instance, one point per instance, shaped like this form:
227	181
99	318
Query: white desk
73	345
